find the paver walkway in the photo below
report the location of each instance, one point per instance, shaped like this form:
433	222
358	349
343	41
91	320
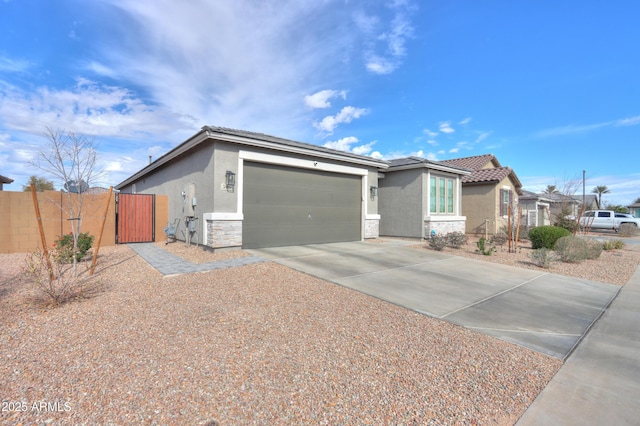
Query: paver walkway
169	264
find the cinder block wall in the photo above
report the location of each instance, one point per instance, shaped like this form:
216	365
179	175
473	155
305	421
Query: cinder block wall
19	226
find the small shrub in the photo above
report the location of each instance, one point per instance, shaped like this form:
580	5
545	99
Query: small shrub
628	230
437	242
483	248
456	240
574	249
58	284
524	232
543	257
546	236
563	220
499	239
64	247
613	245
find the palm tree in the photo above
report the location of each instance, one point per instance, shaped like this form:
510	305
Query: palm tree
600	190
551	189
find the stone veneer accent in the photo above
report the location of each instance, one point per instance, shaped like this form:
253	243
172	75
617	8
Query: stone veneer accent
444	225
372	228
224	233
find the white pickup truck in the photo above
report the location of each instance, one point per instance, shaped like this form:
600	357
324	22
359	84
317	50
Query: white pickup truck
606	219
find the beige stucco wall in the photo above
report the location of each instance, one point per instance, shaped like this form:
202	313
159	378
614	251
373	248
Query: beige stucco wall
481	206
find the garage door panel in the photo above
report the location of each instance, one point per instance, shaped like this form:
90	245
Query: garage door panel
287	206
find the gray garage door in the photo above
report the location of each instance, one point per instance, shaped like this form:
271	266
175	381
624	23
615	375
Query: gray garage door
286	206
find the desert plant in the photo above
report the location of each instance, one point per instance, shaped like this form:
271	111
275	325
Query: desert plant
58	283
456	239
613	245
563	220
543	257
499	239
572	249
65	247
484	248
437	242
628	230
546	236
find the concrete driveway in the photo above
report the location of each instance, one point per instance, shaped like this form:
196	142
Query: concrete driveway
545	312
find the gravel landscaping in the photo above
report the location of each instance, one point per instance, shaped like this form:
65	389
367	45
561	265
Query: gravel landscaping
257	344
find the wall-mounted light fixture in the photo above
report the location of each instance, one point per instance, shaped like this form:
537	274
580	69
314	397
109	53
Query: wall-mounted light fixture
373	191
230	179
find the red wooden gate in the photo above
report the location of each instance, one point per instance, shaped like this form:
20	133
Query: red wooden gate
135	218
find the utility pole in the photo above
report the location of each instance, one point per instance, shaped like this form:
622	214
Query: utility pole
584	197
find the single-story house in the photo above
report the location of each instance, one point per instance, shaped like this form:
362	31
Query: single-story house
487	193
419	197
634	209
3	180
251	190
535	209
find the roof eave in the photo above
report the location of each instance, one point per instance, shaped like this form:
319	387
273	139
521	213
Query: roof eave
337	155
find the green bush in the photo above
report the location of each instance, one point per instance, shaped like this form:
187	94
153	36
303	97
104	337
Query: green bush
543	257
483	248
574	249
456	239
613	245
64	247
546	236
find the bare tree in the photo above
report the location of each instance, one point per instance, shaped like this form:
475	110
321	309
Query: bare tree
72	159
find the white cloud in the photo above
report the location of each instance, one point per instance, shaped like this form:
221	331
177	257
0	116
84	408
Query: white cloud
13	65
445	127
465	121
482	136
346	115
454	150
631	121
345	144
431	134
386	47
88	108
321	99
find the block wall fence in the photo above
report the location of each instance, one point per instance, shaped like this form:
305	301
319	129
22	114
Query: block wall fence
19	227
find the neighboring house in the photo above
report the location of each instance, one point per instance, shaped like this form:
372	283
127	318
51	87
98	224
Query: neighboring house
3	180
487	193
590	201
535	209
419	196
252	190
634	209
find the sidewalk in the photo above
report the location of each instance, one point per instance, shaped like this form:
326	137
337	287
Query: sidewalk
600	382
170	264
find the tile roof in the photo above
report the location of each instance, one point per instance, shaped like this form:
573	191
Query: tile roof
474	163
488	175
480	175
5	179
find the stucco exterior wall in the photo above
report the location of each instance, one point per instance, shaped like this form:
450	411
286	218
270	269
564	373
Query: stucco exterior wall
197	168
479	204
219	208
401	203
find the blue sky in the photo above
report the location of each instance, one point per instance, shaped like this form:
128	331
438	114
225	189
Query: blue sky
551	88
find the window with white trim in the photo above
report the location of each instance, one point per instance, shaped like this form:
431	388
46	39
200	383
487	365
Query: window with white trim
441	195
